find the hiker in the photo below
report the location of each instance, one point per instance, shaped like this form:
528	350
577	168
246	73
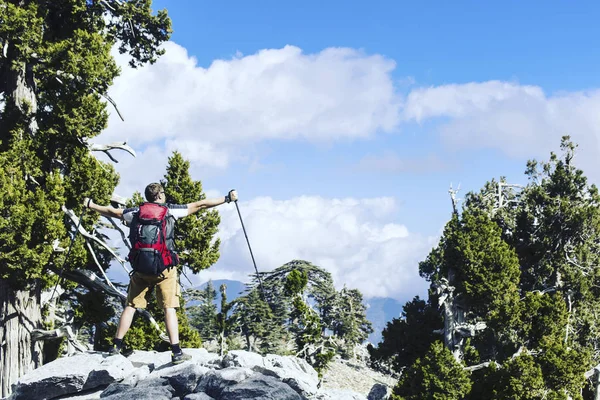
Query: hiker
154	261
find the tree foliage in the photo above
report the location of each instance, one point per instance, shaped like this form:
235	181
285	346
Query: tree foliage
436	376
407	338
203	316
301	313
195	234
56	68
514	279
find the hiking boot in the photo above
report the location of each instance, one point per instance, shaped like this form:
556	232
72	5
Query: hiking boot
180	357
114	351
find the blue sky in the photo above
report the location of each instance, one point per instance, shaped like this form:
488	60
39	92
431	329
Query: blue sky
548	43
343	124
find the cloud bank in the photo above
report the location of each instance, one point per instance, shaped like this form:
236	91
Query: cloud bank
519	120
273	94
213	114
351	238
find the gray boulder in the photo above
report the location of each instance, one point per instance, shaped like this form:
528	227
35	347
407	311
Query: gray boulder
296	372
260	387
242	358
115	388
379	392
215	381
183	377
144	393
70	375
149	388
138	374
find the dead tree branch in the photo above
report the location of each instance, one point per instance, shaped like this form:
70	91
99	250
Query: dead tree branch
112	146
83	232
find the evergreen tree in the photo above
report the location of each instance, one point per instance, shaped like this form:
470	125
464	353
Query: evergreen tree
224	323
55	68
203	316
255	320
194	236
407	338
305	324
516	274
437	376
351	324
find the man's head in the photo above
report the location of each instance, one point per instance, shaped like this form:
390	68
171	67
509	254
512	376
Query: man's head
155	193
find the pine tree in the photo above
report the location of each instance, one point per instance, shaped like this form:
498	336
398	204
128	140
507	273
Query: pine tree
255	321
517	275
407	338
351	324
55	68
225	322
436	376
194	236
203	316
305	324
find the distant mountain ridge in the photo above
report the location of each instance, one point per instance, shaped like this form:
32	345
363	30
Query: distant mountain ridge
380	310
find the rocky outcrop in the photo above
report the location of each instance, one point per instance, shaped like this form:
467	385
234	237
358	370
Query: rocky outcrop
151	375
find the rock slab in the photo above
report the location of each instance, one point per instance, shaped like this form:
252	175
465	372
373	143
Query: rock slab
150	375
70	375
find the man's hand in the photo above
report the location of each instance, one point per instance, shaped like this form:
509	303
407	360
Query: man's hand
231	196
106	211
87	202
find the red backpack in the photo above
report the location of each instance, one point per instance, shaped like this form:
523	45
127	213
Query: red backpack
151	237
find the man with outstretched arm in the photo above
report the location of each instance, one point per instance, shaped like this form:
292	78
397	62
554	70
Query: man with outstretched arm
167	283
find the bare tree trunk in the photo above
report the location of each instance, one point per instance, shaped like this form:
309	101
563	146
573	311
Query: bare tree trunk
20	315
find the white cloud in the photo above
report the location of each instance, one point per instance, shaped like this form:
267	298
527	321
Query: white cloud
209	113
520	120
351	238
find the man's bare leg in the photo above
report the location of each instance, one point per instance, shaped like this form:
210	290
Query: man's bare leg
172	325
125	322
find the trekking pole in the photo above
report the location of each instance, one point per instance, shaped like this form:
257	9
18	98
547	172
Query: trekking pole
69	250
251	255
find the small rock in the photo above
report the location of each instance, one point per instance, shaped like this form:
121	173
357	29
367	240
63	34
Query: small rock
338	394
379	392
137	375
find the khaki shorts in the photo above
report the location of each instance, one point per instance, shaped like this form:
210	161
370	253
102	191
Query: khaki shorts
167	289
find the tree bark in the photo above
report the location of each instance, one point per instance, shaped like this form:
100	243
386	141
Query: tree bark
20	315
